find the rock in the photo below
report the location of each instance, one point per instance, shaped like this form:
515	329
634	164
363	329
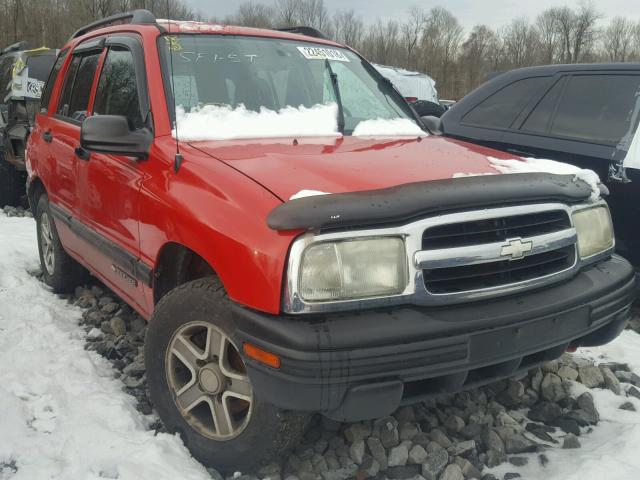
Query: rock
543	460
585	402
105	326
513	395
627	406
434	464
568	425
356	451
454	424
488	476
398	455
389	433
518	461
405	414
511	476
471	431
462	448
628	377
138	325
590	376
215	475
452	472
567	373
540	432
421	439
118	326
433	447
343	473
377	451
571	441
536	380
467	468
610	380
402	472
417	455
494	458
408	430
551	367
633	392
551	388
492	441
329	424
439	437
616	367
545	412
518	444
357	431
369	468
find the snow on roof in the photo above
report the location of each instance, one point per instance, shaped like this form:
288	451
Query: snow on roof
410	84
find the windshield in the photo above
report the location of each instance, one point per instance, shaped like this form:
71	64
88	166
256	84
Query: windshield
254	73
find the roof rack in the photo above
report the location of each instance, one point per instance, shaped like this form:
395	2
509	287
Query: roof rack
14	48
302	30
138	17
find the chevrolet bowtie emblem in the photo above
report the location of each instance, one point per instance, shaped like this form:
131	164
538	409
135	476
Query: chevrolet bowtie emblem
515	248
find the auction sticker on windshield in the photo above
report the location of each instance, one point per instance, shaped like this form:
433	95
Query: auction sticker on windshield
318	53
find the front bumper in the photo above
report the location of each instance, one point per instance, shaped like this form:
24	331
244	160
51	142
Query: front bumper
361	365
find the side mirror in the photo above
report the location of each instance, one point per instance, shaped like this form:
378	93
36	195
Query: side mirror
111	134
433	124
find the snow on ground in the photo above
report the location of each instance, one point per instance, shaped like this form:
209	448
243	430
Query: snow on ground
63	415
215	122
611	450
397	127
527	165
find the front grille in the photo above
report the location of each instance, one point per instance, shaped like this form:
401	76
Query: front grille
492	230
502	271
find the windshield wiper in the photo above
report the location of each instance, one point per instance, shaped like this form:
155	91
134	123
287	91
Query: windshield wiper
336	93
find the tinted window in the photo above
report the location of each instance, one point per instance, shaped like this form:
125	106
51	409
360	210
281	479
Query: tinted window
53	76
65	96
540	118
117	92
597	108
82	87
502	108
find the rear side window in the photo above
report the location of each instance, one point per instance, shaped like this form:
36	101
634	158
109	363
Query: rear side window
597	108
77	87
501	109
117	92
53	76
539	119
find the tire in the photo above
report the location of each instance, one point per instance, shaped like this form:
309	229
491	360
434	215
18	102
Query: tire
262	432
11	184
60	271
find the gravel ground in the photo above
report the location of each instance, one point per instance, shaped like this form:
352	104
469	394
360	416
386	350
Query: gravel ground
453	437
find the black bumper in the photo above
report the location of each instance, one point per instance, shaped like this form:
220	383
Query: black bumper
362	365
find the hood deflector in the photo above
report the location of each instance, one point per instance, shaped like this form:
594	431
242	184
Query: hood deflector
404	203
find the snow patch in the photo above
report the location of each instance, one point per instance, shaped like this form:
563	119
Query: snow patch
307	193
63	415
538	165
464	175
215	122
397	127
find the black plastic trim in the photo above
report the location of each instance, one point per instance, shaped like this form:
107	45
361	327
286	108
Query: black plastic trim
406	202
139	17
128	263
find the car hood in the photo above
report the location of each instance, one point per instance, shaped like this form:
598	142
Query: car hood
349	164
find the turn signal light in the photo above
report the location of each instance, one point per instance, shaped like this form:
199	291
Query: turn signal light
267	358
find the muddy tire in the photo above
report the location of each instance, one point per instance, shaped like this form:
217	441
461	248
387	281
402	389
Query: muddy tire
199	387
59	270
11	184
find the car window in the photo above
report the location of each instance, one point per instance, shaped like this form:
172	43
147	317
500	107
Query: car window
117	92
501	109
53	76
539	119
74	100
597	108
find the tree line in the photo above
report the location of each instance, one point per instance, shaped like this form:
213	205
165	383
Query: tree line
431	41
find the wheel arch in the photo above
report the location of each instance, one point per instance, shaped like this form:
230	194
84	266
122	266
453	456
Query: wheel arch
35	188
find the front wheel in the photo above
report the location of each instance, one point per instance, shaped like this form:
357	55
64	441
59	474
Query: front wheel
199	385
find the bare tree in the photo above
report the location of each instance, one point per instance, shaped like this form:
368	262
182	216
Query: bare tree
520	41
549	35
617	40
348	28
411	33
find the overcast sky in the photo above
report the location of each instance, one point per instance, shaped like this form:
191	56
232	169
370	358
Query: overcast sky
470	12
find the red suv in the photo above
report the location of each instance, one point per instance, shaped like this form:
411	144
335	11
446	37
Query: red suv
161	163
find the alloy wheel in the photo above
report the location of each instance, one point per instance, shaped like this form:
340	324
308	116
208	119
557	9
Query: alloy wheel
46	238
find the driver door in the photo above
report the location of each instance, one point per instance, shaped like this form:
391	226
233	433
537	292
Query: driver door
109	185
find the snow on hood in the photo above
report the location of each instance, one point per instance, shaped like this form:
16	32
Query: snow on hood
528	165
307	193
397	127
214	122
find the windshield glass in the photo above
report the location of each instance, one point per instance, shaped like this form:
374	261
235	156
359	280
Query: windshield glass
252	73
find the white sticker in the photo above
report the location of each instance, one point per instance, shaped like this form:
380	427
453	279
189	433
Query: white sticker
319	53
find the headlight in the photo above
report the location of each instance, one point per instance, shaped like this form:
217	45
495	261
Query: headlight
351	269
595	230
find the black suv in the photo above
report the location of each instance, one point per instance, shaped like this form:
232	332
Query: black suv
23	73
586	115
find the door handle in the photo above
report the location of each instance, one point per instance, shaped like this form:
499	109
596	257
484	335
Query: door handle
47	136
82	154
